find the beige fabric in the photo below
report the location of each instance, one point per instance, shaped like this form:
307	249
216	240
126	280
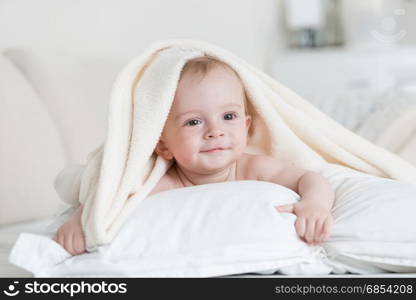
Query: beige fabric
31	151
124	170
75	90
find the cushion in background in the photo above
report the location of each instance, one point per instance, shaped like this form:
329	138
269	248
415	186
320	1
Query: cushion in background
31	152
68	184
393	124
75	90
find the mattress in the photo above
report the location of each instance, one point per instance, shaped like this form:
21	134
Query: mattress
9	234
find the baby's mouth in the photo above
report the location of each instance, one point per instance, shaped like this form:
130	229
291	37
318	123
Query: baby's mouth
214	150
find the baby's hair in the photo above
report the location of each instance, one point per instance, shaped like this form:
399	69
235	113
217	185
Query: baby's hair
204	64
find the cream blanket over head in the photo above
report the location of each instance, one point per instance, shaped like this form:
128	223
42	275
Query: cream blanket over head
123	171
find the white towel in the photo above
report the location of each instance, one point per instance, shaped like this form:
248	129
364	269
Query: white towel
125	169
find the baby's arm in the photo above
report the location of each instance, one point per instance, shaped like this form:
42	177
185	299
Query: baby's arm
70	235
313	211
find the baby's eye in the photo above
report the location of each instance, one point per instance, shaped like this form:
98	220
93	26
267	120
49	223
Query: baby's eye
229	116
192	122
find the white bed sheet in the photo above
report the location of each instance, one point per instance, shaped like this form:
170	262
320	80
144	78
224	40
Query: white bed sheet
9	234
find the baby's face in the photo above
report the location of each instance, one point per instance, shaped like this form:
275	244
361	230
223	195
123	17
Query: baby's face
207	113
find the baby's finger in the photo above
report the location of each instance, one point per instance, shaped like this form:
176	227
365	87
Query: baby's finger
318	231
300	226
68	244
310	231
60	239
326	231
287	208
78	242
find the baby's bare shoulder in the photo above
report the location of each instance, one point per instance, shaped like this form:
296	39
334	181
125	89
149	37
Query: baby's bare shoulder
267	168
256	167
168	182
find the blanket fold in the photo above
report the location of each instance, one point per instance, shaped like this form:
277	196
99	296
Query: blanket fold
123	171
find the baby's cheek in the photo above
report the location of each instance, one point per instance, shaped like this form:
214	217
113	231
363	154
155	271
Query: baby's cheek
186	152
241	143
187	160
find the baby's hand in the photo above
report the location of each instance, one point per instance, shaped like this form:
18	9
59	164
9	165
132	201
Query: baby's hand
314	221
70	234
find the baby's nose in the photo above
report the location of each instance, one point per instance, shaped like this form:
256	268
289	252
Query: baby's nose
213	133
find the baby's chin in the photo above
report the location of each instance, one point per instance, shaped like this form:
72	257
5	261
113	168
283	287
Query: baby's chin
209	167
206	167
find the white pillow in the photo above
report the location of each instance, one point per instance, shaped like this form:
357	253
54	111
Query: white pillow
31	153
207	230
232	228
374	224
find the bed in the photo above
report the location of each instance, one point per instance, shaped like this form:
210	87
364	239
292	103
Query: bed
276	253
9	233
34	82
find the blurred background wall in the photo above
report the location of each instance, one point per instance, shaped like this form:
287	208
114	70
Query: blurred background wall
124	28
252	29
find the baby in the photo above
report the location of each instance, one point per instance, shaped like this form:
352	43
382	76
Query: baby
205	136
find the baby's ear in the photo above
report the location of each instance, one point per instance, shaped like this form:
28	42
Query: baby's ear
248	121
162	150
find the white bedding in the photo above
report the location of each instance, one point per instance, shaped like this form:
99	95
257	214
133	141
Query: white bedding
361	242
8	235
